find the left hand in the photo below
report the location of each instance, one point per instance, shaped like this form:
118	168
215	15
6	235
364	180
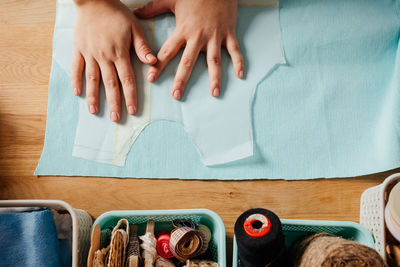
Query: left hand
201	25
105	31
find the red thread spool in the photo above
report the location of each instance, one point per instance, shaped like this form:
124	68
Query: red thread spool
257	225
163	250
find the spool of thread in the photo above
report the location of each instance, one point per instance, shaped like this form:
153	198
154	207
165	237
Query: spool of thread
328	250
187	243
259	238
163	250
394	203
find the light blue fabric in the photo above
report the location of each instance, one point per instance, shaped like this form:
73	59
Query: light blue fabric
332	111
30	239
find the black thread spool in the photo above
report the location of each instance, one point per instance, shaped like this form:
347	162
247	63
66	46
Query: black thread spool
260	239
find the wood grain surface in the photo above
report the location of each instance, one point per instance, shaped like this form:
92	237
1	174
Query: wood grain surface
26	29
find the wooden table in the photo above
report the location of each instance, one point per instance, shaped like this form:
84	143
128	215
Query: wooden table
26	30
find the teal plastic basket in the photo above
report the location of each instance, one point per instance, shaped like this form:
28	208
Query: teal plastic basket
294	229
163	219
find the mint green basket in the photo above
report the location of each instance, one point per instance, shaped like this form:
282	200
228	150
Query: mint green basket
163	219
294	229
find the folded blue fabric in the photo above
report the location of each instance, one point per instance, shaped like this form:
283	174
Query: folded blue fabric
332	111
30	239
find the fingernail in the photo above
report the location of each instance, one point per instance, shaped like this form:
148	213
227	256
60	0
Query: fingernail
131	109
216	92
75	91
241	74
150	57
114	116
92	109
151	77
177	94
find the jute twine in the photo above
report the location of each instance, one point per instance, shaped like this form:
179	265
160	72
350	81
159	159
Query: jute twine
326	250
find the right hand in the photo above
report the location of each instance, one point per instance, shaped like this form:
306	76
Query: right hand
201	25
104	33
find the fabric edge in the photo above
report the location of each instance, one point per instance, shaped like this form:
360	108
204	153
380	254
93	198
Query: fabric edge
45	143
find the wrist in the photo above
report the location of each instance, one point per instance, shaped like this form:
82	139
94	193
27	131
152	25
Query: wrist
83	2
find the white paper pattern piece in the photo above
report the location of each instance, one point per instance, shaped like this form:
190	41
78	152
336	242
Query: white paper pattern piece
220	128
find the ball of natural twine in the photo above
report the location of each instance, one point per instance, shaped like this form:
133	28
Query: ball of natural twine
325	250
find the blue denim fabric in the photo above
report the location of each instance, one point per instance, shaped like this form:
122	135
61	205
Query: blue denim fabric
30	239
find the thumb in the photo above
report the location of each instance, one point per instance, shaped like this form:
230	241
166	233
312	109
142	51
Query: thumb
153	8
142	49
